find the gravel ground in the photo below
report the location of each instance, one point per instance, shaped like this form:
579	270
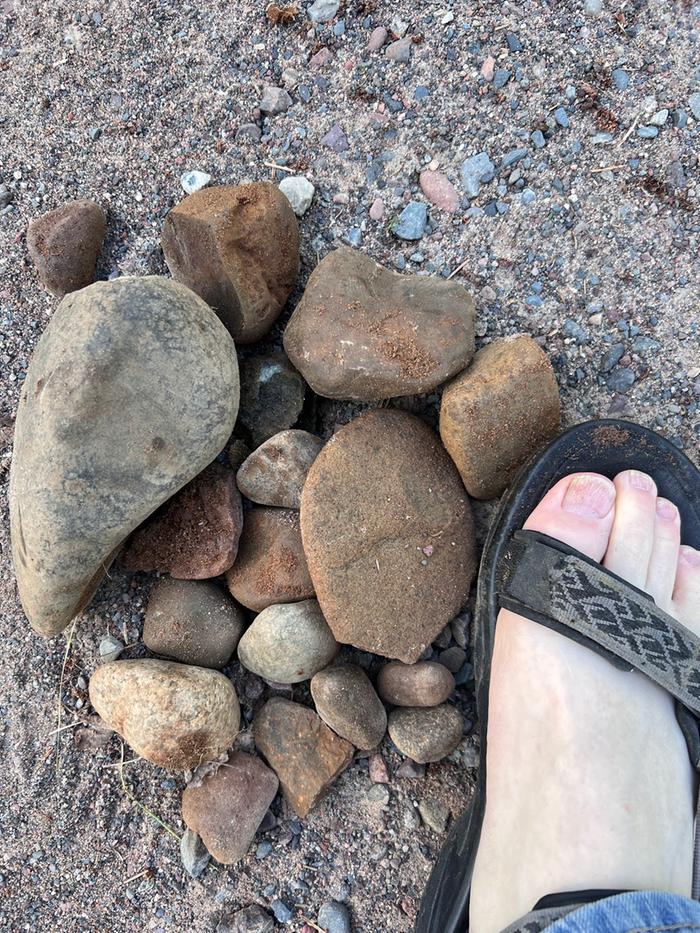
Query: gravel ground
588	242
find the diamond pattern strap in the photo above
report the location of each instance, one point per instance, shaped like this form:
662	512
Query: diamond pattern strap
544	580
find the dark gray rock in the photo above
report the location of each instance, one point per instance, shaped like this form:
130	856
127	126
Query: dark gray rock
194	854
272	396
251	919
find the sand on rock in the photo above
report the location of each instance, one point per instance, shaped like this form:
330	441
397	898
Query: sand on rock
275	473
175	715
499	412
65	243
237	247
388	534
131	392
194	536
364	333
227	808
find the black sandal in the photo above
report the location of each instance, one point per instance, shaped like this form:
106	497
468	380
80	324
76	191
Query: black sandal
546	581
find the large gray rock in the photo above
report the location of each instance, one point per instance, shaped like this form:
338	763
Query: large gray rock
131	392
364	333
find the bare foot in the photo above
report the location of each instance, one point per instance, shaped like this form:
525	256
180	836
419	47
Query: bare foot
589	784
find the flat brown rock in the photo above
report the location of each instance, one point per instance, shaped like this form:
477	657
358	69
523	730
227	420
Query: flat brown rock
64	245
388	534
271	566
195	535
237	247
499	412
227	808
305	754
364	333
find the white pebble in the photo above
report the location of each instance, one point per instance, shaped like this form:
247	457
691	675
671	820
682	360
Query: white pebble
194	181
299	191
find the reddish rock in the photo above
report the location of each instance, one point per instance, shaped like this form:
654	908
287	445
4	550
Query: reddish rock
487	68
439	190
227	808
237	247
271	566
376	211
388	534
275	473
194	536
305	754
426	683
378	770
64	245
321	58
497	413
377	38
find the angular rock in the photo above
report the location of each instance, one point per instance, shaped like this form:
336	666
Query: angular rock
288	643
110	648
194	536
388	534
64	245
227	808
411	222
299	191
275	100
116	414
193	853
194	181
301	749
322	11
251	919
434	814
439	190
192	622
272	396
270	567
426	734
237	247
477	170
174	715
335	139
426	683
498	412
364	333
334	918
400	51
346	701
275	473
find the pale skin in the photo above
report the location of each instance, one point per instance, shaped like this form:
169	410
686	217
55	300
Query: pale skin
589	784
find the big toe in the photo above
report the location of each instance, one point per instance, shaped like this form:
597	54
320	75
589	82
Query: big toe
579	510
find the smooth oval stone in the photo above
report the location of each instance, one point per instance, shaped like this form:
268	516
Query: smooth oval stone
194	536
275	473
346	701
288	643
426	734
65	243
237	247
131	392
388	534
175	715
227	808
192	622
270	567
497	413
426	683
364	333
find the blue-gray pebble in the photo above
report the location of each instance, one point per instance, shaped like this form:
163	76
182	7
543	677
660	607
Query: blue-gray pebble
412	221
334	917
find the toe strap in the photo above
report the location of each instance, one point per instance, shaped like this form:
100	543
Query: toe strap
547	581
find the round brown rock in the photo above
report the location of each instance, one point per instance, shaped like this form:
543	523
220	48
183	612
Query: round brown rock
192	622
195	535
270	567
364	333
237	247
498	412
275	473
426	734
426	683
174	715
388	534
64	245
346	701
227	808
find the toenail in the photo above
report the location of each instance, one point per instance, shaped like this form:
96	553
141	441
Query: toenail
638	480
666	510
589	495
690	556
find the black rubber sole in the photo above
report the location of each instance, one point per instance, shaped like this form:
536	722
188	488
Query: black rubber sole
608	447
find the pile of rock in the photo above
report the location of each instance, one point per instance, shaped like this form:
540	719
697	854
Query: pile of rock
364	541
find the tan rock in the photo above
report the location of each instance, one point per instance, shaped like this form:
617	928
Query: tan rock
388	534
426	734
227	808
426	683
275	473
237	247
499	412
174	715
346	700
305	754
65	243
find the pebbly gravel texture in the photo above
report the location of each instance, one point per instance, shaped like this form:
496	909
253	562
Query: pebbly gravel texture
586	238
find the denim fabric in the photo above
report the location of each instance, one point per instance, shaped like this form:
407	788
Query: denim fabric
634	912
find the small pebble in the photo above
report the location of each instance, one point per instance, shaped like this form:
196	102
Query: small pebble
694	104
514	44
334	917
110	648
193	853
647	132
620	79
411	222
299	191
561	117
282	913
538	140
322	11
376	211
194	181
434	814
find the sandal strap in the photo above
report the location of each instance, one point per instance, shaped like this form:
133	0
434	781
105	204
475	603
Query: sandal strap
547	581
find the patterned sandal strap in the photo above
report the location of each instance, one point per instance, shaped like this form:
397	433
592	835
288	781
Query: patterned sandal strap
547	581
